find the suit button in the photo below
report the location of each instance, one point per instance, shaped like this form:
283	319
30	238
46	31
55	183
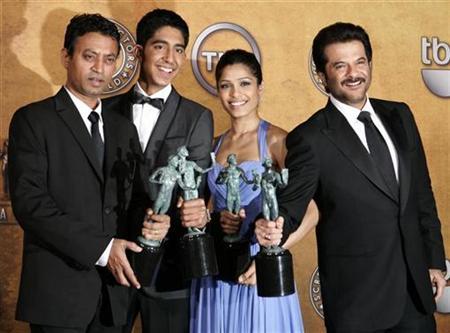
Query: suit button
107	210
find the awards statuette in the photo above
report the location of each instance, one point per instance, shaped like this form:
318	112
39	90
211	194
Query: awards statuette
197	246
147	261
6	216
234	250
274	267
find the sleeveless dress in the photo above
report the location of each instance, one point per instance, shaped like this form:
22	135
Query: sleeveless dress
225	307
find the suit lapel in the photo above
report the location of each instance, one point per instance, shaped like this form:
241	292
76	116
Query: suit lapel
70	115
161	129
347	141
394	126
126	105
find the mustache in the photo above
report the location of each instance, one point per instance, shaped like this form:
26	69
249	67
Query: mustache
97	77
353	80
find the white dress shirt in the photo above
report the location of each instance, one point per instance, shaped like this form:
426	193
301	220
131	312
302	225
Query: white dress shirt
145	116
85	111
351	114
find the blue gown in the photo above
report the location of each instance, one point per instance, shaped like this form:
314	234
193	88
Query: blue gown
225	307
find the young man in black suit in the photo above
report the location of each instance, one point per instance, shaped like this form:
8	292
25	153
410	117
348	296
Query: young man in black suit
165	121
379	242
71	175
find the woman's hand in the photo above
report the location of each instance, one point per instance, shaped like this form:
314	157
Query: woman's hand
249	277
269	233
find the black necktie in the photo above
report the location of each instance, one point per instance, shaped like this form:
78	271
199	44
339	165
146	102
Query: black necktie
96	138
141	99
379	152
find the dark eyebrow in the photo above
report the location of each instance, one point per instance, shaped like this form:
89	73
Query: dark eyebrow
96	53
162	41
338	62
159	41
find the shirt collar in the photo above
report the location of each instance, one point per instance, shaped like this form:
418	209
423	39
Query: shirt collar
83	108
163	93
350	112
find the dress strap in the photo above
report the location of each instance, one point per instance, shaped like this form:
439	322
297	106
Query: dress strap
219	142
262	139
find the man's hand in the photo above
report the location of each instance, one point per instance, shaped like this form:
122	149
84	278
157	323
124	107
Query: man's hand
118	263
231	223
193	213
155	227
249	277
269	233
437	281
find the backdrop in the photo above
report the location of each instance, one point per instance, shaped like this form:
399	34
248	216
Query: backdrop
410	63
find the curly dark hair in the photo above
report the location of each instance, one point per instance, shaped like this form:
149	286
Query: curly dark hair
82	24
338	32
159	18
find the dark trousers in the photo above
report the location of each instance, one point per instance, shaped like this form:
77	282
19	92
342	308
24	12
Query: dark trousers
413	320
94	327
98	323
158	315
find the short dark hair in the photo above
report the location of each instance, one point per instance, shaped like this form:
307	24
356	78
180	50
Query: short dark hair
159	18
338	32
238	56
82	24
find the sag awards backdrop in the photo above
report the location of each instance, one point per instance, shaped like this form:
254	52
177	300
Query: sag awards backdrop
411	63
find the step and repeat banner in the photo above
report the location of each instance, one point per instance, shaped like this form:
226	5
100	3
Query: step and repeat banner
411	56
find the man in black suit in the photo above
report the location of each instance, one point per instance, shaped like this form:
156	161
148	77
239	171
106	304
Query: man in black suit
379	242
165	121
71	174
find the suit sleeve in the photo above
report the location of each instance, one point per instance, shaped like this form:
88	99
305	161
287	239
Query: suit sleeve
200	144
33	205
429	220
303	166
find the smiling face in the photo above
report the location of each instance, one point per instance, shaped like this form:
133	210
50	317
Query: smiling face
347	72
239	91
91	66
161	59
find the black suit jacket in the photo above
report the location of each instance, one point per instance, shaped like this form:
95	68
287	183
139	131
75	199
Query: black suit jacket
367	241
69	209
181	122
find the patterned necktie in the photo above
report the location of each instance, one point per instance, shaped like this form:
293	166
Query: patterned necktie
379	152
96	138
141	99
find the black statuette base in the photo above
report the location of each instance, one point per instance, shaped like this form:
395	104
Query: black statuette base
274	274
199	255
146	263
234	259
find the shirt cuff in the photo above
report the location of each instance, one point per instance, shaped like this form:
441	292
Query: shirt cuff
103	260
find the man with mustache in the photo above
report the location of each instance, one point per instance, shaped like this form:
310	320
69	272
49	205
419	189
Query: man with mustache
380	247
165	121
71	174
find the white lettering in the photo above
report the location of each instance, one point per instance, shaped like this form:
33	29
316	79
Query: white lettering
446	52
440	51
425	48
3	214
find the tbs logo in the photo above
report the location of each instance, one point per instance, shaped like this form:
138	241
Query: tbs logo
437	52
209	46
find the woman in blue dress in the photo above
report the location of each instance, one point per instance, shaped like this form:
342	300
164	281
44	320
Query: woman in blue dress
234	307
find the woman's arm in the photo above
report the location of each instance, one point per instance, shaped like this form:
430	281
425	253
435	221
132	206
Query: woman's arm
276	140
308	223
